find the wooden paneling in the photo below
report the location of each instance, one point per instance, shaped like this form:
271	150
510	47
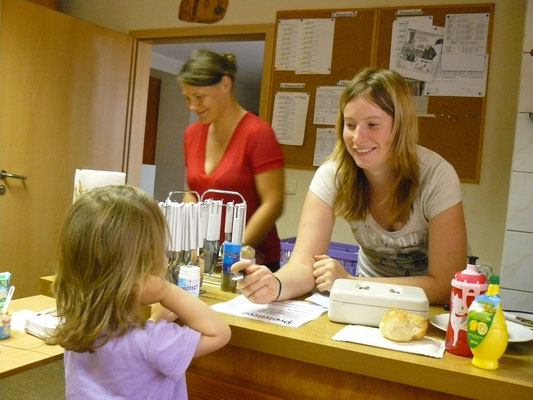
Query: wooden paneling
233	372
53	4
152	113
67	100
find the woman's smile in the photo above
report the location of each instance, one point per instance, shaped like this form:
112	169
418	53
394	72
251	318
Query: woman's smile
367	133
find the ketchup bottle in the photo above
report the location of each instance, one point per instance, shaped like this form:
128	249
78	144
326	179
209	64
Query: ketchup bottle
466	285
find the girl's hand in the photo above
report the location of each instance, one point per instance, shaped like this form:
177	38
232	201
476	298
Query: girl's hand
259	284
153	290
326	271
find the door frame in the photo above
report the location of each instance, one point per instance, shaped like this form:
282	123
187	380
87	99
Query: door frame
221	33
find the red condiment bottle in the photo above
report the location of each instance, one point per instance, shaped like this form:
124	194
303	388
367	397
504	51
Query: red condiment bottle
466	285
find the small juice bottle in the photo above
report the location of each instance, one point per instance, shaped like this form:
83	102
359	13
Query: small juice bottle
486	327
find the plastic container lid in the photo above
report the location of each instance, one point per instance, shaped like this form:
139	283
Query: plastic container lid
379	294
494	279
190	271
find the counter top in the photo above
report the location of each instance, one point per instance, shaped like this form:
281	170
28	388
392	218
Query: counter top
312	343
295	353
22	351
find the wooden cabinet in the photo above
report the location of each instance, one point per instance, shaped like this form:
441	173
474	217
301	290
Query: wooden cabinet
46	3
72	95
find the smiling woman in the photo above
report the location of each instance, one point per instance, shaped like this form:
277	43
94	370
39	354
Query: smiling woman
232	149
402	202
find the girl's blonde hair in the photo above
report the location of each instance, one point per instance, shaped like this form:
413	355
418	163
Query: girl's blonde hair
112	239
389	91
206	68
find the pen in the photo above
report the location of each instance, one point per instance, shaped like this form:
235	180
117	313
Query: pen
46	311
238	276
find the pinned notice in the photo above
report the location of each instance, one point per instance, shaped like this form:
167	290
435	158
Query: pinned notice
290	113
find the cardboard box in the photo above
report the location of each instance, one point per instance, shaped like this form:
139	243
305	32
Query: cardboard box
4	287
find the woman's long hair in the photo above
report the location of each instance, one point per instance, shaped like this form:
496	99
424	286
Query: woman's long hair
389	91
112	238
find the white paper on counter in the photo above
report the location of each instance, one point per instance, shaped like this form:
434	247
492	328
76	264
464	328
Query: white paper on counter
320	299
292	313
18	319
372	337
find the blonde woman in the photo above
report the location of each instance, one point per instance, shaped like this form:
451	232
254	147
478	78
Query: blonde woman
111	262
229	148
402	201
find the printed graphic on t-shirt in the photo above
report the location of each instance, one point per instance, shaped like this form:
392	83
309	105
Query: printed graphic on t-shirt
394	254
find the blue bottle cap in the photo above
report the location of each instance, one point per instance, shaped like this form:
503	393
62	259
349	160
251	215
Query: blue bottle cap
231	247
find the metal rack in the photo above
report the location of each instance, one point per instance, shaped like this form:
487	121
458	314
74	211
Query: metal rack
196	225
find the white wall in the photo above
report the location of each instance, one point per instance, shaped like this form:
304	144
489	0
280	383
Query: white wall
485	203
172	120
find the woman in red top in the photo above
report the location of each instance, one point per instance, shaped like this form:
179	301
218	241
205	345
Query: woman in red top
230	148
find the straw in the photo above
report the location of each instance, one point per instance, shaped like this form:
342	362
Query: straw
8	299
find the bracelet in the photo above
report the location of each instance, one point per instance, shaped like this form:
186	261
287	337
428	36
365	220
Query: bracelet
280	286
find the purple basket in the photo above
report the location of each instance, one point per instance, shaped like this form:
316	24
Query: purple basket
345	254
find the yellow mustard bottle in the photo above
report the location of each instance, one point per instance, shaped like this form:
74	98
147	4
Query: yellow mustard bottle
486	327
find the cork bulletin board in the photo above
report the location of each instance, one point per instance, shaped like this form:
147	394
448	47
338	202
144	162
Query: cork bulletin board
453	126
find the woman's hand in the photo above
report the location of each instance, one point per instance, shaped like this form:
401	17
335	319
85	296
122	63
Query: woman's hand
326	270
259	284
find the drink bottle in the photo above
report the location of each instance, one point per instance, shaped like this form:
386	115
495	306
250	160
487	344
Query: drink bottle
466	285
487	330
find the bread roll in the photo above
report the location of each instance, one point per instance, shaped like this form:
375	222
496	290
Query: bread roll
400	326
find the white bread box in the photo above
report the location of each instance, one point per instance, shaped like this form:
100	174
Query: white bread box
364	303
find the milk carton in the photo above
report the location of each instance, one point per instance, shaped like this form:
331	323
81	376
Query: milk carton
4	286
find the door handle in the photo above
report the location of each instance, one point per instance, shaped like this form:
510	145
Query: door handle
4	174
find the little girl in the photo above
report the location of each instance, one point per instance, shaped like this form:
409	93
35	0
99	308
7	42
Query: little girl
112	261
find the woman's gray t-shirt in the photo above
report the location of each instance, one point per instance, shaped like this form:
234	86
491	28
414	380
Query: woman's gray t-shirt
402	252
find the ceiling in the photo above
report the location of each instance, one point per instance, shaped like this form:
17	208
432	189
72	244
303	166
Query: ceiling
249	55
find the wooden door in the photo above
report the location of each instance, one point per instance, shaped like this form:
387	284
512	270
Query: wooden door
72	95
